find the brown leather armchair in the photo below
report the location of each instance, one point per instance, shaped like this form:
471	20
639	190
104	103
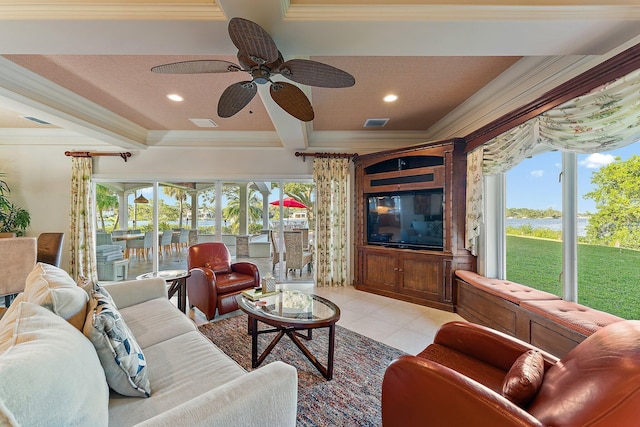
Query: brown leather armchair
215	281
457	381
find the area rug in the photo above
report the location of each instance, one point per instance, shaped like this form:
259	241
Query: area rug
351	398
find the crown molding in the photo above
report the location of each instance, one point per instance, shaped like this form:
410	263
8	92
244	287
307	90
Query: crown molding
364	140
131	10
416	12
28	93
525	80
213	138
47	137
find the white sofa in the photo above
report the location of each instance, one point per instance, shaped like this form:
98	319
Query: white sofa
192	381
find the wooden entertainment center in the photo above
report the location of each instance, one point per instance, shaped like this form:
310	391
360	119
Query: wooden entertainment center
410	223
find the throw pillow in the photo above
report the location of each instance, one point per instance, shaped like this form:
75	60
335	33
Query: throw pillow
7	323
50	373
120	355
86	284
524	379
52	288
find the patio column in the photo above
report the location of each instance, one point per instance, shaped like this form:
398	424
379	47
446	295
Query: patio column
265	210
243	195
194	210
123	210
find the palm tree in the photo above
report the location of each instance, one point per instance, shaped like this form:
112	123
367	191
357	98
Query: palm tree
302	193
180	195
106	200
232	211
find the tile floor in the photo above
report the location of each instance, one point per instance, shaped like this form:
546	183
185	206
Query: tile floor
403	325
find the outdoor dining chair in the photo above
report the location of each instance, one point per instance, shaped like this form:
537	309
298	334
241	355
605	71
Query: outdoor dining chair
297	257
142	246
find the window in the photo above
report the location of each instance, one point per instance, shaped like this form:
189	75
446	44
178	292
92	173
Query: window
534	223
606	246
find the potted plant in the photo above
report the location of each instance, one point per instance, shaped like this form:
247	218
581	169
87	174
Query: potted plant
13	219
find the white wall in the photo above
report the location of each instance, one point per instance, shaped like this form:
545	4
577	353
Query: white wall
40	175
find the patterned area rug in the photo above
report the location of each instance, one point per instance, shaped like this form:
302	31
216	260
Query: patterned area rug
351	398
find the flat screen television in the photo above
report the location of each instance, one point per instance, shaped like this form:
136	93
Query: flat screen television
406	219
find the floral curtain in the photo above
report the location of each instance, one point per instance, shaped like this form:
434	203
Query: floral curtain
604	119
474	199
331	179
83	256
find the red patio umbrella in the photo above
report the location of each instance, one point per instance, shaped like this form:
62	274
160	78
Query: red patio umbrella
288	202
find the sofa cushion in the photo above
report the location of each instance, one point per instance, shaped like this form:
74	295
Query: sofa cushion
53	288
472	367
524	379
120	355
180	369
155	321
219	266
50	372
234	282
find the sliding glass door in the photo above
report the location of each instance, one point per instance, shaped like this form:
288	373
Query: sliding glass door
244	215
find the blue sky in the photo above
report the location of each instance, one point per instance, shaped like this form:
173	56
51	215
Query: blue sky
534	182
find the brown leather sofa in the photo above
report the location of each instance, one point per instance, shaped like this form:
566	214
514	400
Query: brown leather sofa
458	381
215	281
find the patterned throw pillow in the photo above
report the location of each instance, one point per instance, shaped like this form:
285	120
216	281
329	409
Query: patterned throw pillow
120	355
86	284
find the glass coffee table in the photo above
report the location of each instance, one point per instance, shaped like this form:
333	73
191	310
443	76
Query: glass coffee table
290	312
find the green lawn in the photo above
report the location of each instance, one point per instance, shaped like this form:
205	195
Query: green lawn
608	278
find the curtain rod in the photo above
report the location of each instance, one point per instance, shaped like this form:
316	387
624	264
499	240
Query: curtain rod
124	156
334	155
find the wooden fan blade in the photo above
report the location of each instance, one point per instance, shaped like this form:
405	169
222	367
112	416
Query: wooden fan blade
235	98
197	67
292	100
251	39
315	73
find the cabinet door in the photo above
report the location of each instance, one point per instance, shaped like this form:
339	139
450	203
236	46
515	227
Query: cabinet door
380	270
421	276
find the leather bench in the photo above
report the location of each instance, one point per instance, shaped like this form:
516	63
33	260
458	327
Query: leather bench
537	317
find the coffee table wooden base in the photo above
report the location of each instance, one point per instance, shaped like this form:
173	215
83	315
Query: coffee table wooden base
294	335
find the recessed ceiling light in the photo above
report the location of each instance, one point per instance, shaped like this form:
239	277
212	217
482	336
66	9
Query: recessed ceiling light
390	98
175	97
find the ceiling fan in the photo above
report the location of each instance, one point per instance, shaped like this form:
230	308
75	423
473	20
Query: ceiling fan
259	56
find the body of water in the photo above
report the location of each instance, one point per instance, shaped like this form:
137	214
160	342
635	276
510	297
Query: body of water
550	223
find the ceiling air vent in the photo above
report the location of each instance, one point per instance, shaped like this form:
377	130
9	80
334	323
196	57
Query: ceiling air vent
375	123
36	120
204	123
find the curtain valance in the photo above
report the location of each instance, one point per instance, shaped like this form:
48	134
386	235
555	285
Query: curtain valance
604	119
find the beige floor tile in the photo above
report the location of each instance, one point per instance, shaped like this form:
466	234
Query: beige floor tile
409	341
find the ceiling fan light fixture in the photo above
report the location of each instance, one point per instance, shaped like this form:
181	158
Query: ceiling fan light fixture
390	98
259	56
